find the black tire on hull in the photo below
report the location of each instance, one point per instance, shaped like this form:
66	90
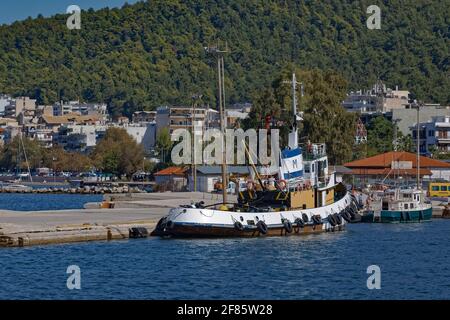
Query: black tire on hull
331	220
338	218
169	224
305	217
262	227
299	222
347	217
316	219
161	224
238	226
287	226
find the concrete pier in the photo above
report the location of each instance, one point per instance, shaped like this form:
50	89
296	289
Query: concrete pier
18	229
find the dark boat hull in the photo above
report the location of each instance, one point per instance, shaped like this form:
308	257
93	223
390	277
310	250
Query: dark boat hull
206	231
400	216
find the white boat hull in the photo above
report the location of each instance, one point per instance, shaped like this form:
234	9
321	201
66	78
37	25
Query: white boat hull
193	222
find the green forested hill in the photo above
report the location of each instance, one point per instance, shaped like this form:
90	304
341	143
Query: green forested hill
151	53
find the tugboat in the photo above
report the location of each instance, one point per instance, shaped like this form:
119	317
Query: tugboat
305	199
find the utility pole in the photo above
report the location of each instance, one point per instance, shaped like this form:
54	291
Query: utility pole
195	98
219	53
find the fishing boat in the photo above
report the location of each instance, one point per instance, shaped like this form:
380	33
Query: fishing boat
306	198
397	205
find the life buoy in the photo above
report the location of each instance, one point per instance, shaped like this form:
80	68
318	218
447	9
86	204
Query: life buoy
281	185
238	226
262	227
338	218
305	218
331	220
287	226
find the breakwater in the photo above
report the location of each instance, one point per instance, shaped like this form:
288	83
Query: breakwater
72	190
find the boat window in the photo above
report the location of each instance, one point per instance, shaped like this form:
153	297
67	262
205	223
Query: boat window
411	205
385	205
406	206
435	188
443	188
307	168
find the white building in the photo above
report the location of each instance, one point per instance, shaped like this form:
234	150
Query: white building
434	133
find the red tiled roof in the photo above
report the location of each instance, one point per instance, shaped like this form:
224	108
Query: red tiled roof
384	161
174	171
386	171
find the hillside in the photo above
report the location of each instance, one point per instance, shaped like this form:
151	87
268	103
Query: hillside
151	53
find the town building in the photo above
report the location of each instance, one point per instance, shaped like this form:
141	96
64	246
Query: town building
99	110
171	179
208	176
5	100
396	167
406	118
434	135
20	105
144	116
378	99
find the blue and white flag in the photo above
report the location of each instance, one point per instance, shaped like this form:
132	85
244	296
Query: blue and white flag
291	164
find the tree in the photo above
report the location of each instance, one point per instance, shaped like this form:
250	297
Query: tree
60	160
380	136
152	52
118	153
325	120
14	152
164	145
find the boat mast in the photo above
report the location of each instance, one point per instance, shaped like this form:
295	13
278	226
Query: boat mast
418	147
25	155
293	135
219	53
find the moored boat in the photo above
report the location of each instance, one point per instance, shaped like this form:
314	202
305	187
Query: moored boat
305	198
397	205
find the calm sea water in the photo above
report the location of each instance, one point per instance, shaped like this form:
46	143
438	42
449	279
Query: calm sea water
30	201
414	261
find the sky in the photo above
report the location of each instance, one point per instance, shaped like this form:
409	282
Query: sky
14	10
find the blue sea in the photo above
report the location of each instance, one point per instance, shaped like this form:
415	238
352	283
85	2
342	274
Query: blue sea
45	201
414	262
